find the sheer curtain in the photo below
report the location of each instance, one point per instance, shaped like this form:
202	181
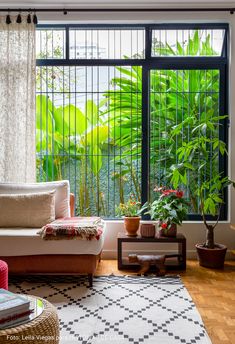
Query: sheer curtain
17	101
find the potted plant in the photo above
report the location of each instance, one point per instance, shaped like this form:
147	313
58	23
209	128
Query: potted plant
211	254
170	208
130	213
198	168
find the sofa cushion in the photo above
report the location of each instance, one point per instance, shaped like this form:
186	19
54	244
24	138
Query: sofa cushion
26	242
27	210
62	193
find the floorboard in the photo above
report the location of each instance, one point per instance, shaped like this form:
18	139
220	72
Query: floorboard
213	292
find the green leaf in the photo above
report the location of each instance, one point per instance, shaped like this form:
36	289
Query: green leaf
184	178
97	135
95	157
209	206
74	119
92	112
44	114
175	178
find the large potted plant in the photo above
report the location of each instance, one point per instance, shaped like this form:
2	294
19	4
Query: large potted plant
170	209
198	167
211	254
130	212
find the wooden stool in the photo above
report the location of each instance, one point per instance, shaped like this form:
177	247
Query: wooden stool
147	261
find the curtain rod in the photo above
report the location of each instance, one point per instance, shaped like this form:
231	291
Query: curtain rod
66	10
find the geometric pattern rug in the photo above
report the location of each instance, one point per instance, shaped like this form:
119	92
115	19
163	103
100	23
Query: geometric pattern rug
119	309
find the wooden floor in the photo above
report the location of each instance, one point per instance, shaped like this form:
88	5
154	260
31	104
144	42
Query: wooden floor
213	292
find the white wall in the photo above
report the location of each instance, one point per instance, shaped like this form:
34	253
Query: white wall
194	232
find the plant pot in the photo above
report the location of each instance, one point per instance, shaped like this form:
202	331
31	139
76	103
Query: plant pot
131	225
168	232
147	230
211	258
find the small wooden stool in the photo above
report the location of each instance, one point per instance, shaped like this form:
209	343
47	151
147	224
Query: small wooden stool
147	261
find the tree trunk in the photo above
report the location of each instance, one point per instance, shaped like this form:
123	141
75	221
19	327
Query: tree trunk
210	237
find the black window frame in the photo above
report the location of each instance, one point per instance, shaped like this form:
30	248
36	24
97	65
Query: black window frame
220	63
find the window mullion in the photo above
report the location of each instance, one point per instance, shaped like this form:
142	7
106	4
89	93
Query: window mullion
145	135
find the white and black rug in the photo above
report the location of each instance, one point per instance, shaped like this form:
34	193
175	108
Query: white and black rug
120	309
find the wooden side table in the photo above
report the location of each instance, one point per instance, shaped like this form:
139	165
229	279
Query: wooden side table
179	263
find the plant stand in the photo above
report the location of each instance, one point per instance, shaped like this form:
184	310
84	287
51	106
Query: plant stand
178	263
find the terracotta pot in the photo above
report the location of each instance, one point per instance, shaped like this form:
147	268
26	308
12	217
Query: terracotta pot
169	232
131	225
211	258
147	230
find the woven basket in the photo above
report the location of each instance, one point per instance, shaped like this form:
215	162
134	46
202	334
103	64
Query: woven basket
41	330
147	230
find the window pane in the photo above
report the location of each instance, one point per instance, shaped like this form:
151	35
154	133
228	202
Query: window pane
50	44
187	42
89	131
184	106
106	44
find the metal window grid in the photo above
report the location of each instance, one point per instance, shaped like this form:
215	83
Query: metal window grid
149	63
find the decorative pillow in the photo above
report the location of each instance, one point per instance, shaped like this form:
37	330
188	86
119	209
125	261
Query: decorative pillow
27	210
87	228
62	193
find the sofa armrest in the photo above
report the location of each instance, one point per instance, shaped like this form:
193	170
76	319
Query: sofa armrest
72	204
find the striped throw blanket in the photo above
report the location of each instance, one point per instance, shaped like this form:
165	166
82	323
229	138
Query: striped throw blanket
69	228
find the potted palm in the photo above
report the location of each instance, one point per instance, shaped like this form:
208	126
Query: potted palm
130	212
170	209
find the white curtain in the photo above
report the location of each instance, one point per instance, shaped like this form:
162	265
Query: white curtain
17	101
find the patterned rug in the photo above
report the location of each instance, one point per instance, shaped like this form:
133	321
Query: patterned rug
120	309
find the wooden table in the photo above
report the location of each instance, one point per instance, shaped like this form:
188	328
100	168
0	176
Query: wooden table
179	263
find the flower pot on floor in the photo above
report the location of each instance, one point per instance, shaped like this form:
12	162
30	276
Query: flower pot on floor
170	231
131	225
211	258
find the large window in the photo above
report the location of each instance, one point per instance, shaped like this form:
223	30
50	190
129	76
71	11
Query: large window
117	105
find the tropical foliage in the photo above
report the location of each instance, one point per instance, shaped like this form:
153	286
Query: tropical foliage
169	207
184	123
66	135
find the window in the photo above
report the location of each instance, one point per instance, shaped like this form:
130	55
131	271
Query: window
117	104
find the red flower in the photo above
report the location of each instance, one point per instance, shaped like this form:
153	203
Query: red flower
166	193
164	225
179	194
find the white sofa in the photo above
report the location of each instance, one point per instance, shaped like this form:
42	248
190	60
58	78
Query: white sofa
27	253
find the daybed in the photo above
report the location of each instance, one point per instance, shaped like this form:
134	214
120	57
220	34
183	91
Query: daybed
27	253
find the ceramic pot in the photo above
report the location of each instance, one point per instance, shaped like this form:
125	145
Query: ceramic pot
147	230
168	232
131	225
211	258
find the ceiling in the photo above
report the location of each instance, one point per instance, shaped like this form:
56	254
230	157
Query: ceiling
114	3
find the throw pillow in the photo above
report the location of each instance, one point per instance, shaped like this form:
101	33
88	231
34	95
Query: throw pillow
27	210
61	187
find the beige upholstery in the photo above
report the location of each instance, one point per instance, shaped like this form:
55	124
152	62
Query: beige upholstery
26	242
27	210
62	193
